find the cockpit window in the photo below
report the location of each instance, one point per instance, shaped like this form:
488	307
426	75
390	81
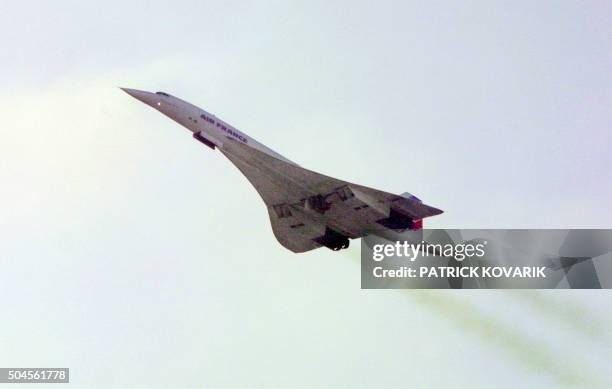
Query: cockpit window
162	93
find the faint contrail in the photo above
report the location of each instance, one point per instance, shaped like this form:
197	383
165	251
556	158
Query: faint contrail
531	352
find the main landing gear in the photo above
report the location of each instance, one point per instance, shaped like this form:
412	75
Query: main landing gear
333	240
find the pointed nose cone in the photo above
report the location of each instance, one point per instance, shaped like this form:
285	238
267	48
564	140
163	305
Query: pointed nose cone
145	97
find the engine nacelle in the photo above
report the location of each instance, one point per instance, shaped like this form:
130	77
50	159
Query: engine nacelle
399	221
317	203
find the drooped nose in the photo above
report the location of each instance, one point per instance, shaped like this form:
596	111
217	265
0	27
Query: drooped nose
145	97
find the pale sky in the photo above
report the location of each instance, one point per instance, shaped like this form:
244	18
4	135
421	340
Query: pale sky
139	258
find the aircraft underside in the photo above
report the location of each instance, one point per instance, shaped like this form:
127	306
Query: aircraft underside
309	210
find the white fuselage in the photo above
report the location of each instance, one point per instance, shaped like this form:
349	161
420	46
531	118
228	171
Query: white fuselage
198	121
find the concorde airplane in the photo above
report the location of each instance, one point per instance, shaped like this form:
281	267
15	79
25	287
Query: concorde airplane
307	210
